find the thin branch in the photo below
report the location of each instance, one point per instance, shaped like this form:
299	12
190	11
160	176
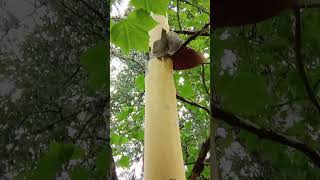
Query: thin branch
191	33
178	8
193	103
191	38
67	8
299	62
199	8
279	105
100	15
199	166
262	133
316	85
72	76
204	80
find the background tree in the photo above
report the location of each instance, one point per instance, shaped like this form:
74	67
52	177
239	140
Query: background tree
53	106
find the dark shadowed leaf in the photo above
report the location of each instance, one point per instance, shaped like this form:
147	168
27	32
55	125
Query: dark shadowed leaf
95	62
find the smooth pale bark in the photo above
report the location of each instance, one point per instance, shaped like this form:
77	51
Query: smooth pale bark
163	158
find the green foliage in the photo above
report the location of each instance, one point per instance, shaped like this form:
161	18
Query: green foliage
59	154
296	86
157	7
246	93
132	33
52	161
78	153
80	173
298	130
186	91
251	141
124	162
124	113
95	62
206	172
103	162
118	140
140	82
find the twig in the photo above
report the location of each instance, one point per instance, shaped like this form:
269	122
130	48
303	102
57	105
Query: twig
178	15
191	38
191	33
193	103
100	15
204	80
199	166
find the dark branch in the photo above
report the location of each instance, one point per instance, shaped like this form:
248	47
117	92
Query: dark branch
180	27
191	38
193	103
231	119
199	166
192	33
262	133
204	80
299	62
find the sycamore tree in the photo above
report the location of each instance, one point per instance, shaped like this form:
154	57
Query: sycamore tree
267	125
159	117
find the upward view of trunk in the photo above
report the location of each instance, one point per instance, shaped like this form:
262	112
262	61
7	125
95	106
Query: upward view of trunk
163	158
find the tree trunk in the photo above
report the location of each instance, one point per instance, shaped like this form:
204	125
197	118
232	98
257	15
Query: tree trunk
163	158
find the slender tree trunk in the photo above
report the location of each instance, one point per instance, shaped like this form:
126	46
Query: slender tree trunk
163	158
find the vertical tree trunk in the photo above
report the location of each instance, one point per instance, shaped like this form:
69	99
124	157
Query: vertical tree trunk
162	146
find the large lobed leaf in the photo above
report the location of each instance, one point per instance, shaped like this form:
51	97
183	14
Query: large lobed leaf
157	7
132	33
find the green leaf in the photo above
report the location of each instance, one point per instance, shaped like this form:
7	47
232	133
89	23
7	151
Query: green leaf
186	91
132	33
94	61
124	113
158	7
273	152
103	162
188	125
139	82
247	93
206	172
122	140
124	161
296	86
80	173
313	173
52	161
298	130
251	141
78	153
139	135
